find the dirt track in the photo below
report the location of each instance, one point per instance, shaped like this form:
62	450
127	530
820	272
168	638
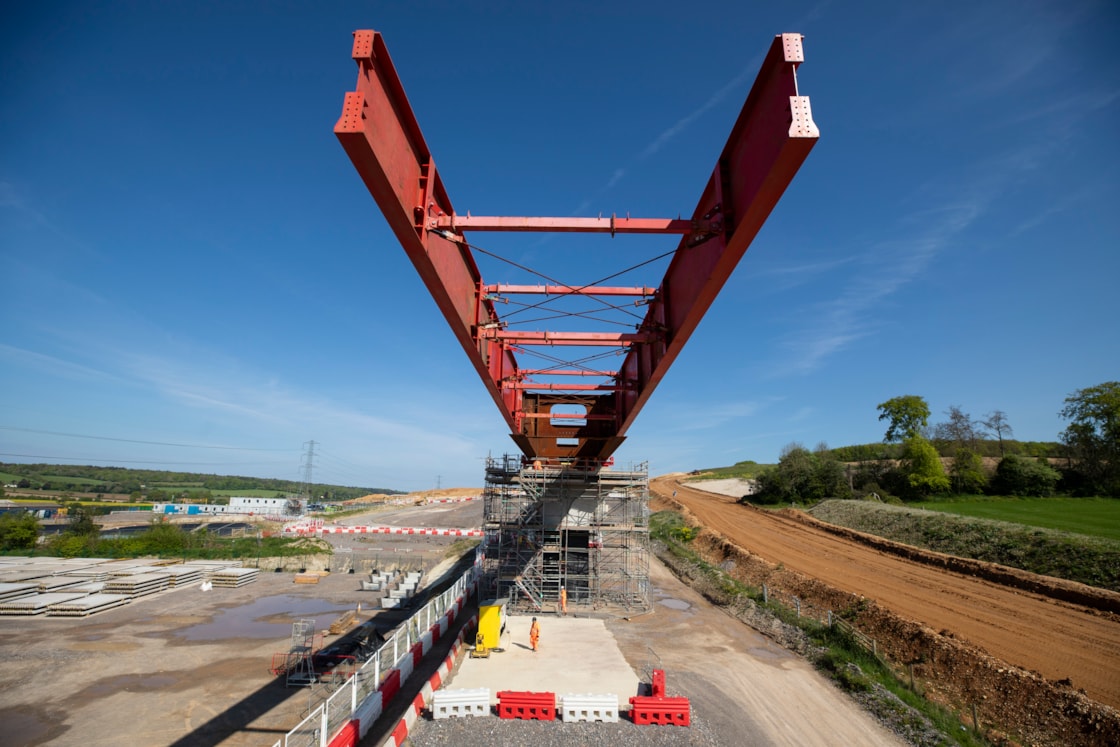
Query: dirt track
1056	639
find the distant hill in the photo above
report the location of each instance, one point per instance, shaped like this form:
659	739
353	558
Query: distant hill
161	484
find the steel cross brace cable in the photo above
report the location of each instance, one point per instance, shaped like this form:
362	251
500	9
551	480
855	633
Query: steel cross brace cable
767	145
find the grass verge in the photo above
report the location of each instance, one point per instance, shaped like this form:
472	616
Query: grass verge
1094	561
169	541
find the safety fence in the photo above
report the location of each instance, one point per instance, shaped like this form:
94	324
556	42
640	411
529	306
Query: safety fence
359	701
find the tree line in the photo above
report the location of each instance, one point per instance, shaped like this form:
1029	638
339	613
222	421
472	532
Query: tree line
157	485
917	461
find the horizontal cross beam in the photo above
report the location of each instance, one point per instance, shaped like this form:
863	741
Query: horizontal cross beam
612	225
565	290
590	339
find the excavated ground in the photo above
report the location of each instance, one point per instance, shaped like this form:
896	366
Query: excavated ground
1009	643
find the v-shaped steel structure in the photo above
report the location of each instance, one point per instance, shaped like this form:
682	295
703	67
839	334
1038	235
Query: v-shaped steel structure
549	416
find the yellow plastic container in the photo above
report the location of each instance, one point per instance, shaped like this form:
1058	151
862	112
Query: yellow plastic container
491	621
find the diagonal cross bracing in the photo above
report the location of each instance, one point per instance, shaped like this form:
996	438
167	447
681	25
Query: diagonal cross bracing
549	416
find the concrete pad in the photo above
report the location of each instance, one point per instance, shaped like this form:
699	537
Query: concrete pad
575	655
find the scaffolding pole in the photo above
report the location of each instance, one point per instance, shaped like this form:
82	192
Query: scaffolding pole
552	524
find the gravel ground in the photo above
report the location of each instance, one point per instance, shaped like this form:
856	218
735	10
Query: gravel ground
495	731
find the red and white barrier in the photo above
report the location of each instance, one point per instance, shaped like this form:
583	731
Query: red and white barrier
424	697
362	715
454	500
429	531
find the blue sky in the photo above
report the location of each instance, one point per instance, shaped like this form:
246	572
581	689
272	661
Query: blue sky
195	278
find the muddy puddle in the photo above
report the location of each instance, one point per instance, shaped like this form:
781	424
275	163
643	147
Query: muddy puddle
267	617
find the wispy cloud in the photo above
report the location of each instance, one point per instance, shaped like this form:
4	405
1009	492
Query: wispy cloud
14	201
682	124
697	416
884	270
53	366
785	277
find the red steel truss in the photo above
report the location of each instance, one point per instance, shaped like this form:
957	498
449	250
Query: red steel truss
554	419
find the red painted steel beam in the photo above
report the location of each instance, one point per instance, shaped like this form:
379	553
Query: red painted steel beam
564	290
561	387
612	225
589	339
566	372
561	417
770	140
380	134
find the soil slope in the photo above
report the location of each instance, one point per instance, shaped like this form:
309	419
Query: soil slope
1057	639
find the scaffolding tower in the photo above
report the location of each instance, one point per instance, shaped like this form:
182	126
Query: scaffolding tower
297	665
552	524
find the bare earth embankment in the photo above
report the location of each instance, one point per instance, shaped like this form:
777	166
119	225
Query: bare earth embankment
979	635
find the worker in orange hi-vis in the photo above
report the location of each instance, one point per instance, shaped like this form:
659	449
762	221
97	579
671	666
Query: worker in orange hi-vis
563	601
534	634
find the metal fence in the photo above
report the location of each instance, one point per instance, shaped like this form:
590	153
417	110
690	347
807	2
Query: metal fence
330	716
823	616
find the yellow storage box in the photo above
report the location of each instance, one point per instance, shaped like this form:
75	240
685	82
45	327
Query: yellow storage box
491	622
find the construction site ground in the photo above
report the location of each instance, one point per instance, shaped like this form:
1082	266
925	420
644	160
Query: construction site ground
186	667
964	622
742	687
189	667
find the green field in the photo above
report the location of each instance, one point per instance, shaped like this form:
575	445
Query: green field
8	477
1098	517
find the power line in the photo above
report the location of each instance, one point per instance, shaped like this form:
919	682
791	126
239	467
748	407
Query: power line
135	441
134	461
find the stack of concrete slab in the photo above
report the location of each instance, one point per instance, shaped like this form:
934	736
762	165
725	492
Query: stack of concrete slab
58	583
233	577
20	574
93	573
216	565
35	605
183	575
137	585
87	605
10	590
87	587
135	570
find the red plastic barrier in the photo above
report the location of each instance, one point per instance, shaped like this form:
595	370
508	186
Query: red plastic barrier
658	684
348	736
390	686
526	705
648	709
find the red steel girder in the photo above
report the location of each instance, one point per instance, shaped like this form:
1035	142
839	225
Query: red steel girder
770	140
565	290
582	339
567	372
612	225
767	145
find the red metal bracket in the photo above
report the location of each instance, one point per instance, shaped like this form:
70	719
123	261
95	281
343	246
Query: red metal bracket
771	138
